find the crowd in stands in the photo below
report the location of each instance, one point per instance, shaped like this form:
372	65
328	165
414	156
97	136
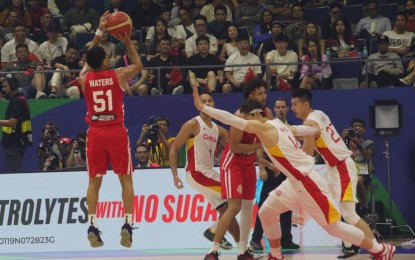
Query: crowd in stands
236	41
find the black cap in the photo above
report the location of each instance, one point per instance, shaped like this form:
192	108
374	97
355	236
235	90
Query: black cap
281	38
383	39
53	28
277	22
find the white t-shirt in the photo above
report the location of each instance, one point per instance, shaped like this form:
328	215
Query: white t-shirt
240	72
8	52
150	33
190	45
181	33
48	51
282	69
399	41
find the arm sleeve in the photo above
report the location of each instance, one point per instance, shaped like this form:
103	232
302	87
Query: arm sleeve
225	117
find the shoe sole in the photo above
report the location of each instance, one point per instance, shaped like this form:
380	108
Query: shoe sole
260	256
93	240
404	82
125	238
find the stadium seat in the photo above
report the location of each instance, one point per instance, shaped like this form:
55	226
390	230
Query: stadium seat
316	14
362	44
81	39
373	45
346	68
353	13
389	11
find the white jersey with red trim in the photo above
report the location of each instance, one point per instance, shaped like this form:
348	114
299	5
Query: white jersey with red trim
329	145
288	154
200	150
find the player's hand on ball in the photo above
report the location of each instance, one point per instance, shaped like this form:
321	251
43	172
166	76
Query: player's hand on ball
103	21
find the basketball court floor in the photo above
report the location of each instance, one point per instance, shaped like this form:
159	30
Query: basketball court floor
308	253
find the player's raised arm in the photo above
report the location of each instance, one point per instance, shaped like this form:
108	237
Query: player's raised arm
101	28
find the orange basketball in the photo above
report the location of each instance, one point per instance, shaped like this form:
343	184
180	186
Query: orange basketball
119	24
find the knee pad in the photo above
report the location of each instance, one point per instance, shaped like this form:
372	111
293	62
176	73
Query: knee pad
348	211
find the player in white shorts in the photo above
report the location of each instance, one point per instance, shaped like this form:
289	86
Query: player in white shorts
201	136
303	187
342	173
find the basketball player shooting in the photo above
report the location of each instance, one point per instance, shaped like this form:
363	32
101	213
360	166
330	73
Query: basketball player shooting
107	138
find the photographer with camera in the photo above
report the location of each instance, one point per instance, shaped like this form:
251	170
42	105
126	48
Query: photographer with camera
77	155
51	163
363	151
50	142
154	135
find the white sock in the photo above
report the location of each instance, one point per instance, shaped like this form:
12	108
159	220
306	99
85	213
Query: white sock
92	219
128	218
276	252
243	246
214	248
376	248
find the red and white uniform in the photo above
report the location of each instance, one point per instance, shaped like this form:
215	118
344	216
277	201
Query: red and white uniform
237	171
340	166
200	158
107	138
304	187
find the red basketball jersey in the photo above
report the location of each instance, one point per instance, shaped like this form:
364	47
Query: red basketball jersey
242	159
104	98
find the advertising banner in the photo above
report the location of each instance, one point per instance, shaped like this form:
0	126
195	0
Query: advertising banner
42	212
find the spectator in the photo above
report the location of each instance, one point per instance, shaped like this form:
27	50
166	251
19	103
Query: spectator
285	74
16	5
280	9
238	76
137	84
327	28
35	11
311	33
120	48
61	81
410	13
8	52
211	74
40	34
186	28
143	15
262	31
373	25
50	143
117	5
200	24
248	14
16	125
162	78
142	156
363	152
31	85
410	78
230	47
315	74
187	5
7	33
57	7
77	154
295	30
342	44
277	29
51	163
155	135
52	48
209	11
171	30
160	32
81	15
219	26
198	5
400	41
385	70
108	47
